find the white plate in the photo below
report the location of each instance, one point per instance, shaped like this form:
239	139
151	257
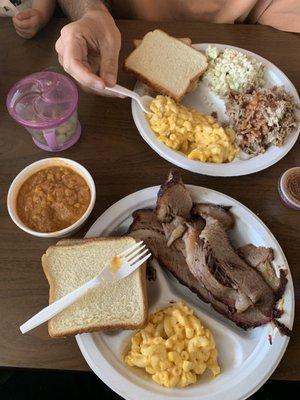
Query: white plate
246	358
273	76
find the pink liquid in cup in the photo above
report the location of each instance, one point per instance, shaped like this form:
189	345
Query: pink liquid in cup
45	103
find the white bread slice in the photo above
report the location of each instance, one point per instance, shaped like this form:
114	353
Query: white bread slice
185	40
166	64
121	305
194	83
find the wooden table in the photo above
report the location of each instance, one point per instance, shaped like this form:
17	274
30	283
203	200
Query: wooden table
121	163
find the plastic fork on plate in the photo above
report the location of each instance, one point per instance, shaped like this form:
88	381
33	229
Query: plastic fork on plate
131	259
144	101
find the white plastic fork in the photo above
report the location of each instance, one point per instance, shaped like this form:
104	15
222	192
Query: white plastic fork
144	101
132	258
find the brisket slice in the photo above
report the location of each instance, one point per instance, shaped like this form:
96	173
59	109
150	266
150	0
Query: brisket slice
146	219
256	255
173	199
218	212
175	229
169	257
261	258
245	278
201	263
146	227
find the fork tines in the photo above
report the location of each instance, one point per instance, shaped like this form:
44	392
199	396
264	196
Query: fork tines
136	254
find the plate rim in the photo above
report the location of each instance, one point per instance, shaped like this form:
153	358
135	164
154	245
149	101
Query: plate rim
114	384
178	159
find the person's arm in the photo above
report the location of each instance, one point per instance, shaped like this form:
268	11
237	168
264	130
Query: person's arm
88	48
76	9
283	15
28	22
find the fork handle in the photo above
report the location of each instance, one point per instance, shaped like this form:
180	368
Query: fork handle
53	309
122	90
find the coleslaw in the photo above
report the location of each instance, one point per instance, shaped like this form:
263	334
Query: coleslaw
232	71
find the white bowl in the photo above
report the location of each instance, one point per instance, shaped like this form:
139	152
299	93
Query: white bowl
35	167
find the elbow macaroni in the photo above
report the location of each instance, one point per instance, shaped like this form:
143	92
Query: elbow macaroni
196	135
174	348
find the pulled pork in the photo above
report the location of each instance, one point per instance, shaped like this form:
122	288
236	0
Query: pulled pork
261	117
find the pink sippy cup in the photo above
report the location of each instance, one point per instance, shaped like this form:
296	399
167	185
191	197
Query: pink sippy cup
45	103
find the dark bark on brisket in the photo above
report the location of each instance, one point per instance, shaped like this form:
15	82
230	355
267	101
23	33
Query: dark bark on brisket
173	199
284	330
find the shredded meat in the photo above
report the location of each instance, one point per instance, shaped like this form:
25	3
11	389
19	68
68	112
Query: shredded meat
261	117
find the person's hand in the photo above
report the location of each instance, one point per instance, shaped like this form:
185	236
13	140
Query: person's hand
28	22
88	49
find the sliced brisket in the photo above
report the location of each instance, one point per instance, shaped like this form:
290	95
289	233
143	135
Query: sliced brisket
200	262
169	257
245	278
220	213
261	258
191	242
173	199
146	227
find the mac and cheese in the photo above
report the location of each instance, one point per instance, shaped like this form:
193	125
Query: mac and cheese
174	348
198	136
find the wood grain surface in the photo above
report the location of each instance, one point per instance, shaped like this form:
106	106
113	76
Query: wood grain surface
121	163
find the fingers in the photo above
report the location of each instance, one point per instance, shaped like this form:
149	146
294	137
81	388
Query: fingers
27	23
84	76
26	14
86	88
23	24
110	49
25	34
72	56
89	47
103	93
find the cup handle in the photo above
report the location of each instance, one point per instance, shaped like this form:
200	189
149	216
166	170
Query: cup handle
50	136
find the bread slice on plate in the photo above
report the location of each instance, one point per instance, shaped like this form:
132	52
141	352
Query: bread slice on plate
119	305
185	40
194	84
166	64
